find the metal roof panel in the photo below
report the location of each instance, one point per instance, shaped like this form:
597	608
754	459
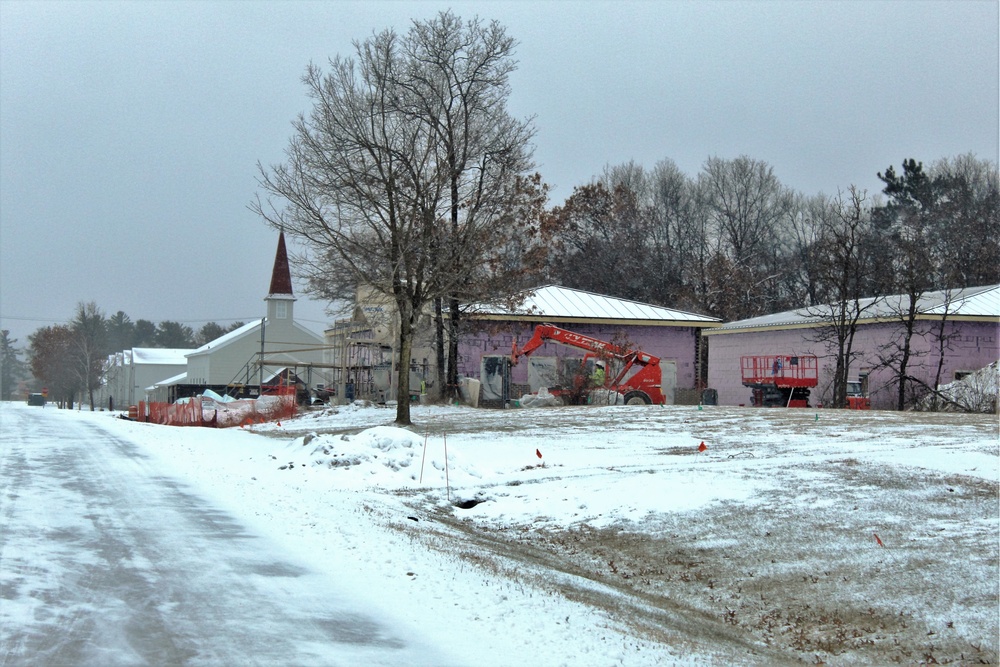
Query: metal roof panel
566	302
968	302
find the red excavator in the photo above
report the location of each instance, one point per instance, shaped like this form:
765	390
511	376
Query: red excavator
639	380
780	380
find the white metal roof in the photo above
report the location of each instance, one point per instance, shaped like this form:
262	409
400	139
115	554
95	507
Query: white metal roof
157	355
225	338
554	302
977	302
169	382
982	301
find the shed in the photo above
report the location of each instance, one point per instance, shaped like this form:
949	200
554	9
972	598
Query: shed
964	323
489	332
162	390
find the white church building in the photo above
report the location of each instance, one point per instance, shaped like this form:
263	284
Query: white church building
257	353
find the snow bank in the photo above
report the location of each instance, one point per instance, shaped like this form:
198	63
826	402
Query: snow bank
544	399
386	457
976	392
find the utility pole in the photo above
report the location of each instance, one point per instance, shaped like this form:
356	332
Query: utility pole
260	383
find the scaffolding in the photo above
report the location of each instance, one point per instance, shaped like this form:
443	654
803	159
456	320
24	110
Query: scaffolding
361	366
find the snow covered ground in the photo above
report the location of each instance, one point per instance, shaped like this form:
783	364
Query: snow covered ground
601	536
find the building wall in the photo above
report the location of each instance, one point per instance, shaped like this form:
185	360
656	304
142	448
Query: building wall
221	364
724	352
146	375
116	382
483	339
971	346
227	362
198	366
126	380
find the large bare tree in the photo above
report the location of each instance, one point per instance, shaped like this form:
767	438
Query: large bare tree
403	173
90	347
807	220
458	81
677	237
661	233
359	188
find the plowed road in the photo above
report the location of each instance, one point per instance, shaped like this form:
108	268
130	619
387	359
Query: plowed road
103	561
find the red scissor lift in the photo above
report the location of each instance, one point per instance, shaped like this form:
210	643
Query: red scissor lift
780	379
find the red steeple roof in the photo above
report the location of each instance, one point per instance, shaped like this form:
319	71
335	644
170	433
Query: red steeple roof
281	277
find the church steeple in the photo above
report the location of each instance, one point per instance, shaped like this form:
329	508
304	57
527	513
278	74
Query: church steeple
281	276
279	297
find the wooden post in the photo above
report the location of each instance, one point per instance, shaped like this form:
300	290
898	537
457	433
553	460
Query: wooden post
423	458
446	480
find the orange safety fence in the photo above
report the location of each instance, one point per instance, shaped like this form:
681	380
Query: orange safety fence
277	404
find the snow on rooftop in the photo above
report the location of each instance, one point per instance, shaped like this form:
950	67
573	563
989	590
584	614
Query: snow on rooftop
555	301
169	382
156	355
225	338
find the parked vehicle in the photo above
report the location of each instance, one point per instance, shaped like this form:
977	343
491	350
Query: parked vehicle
857	397
36	399
639	380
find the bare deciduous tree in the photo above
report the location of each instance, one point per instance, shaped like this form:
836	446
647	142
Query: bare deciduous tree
749	205
458	81
595	241
845	266
90	347
404	171
360	189
967	230
807	220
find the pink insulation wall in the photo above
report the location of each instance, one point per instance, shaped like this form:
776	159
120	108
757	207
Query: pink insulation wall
495	338
970	346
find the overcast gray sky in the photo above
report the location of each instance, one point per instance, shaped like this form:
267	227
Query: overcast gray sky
129	132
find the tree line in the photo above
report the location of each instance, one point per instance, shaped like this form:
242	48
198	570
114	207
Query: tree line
733	242
69	359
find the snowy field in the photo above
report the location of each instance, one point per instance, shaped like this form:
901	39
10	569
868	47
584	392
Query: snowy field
604	536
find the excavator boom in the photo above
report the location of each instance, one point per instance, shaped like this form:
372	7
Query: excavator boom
642	387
